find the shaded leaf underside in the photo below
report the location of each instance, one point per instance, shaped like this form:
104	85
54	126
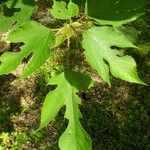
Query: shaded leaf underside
114	12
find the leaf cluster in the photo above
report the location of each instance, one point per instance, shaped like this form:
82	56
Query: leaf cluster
104	37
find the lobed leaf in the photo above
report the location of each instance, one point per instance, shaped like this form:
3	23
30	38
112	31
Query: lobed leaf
98	42
16	12
60	11
68	84
37	41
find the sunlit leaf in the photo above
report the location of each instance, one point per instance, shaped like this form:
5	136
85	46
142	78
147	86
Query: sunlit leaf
98	42
60	10
37	41
16	12
68	84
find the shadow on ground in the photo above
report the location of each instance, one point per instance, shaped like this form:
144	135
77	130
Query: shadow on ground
118	118
9	102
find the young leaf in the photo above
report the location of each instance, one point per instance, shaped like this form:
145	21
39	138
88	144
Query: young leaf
63	34
98	42
68	84
37	40
114	12
16	12
60	11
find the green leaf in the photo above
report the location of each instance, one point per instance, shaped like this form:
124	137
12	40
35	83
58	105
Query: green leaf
37	40
114	12
68	84
63	34
130	32
73	9
60	11
16	12
98	42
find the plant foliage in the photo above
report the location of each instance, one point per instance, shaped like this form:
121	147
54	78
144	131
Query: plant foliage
114	12
38	43
102	48
97	42
60	11
16	12
68	84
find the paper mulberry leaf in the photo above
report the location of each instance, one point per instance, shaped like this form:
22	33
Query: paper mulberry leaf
129	32
98	42
37	40
60	10
114	12
16	12
68	84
